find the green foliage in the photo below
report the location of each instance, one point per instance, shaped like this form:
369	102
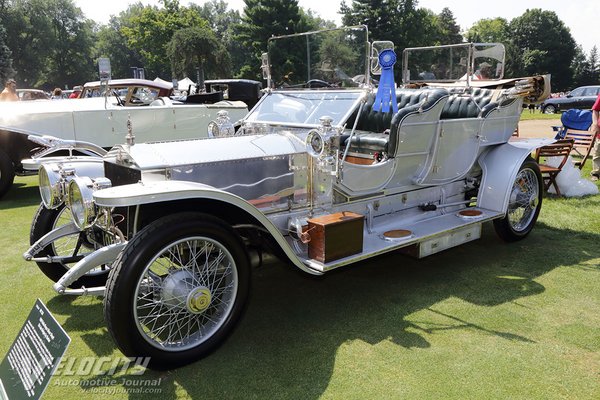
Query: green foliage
223	22
51	42
586	70
397	20
448	29
112	43
198	47
6	70
150	31
489	30
546	46
261	20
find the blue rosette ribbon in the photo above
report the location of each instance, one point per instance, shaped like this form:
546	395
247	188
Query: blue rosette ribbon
386	92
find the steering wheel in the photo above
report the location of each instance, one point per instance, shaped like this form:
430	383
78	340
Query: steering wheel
120	101
317	83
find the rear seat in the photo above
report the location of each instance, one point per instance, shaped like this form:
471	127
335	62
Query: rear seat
469	106
370	136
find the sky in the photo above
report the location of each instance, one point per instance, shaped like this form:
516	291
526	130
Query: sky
581	16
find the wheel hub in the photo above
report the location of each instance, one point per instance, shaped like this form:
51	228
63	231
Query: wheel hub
198	300
533	201
177	287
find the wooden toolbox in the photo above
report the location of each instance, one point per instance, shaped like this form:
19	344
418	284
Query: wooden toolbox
335	236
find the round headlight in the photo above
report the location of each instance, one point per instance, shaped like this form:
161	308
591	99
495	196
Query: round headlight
50	185
81	202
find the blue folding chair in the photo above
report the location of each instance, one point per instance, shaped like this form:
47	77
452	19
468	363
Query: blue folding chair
575	125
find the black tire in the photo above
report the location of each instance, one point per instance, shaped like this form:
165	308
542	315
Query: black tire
160	271
525	203
549	109
46	220
7	173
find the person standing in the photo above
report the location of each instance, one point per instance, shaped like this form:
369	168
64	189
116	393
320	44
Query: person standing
595	128
10	91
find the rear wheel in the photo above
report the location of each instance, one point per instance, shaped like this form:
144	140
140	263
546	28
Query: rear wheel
7	173
177	290
524	204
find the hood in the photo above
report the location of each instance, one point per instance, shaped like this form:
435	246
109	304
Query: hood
148	156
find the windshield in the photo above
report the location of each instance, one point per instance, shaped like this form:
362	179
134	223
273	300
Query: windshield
330	58
305	107
483	61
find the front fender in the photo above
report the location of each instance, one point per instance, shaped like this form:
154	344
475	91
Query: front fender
166	191
500	166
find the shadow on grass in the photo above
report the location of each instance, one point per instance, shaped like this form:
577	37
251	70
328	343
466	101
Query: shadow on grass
20	195
286	345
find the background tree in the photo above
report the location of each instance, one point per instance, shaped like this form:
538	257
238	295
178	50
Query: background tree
400	21
198	47
150	31
223	22
112	43
6	70
545	45
448	31
261	20
51	42
70	61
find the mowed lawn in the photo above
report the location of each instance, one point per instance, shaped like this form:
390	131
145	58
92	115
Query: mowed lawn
487	320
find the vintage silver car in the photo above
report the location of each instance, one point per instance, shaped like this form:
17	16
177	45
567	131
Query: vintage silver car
324	171
99	117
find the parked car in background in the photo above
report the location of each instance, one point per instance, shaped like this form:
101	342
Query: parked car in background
323	172
100	117
32	94
582	98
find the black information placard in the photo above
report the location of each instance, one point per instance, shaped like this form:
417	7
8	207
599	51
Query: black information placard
27	368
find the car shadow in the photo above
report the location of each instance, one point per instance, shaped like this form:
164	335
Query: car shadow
20	195
287	343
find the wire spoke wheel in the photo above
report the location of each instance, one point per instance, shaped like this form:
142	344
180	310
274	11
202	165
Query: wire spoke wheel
524	203
185	293
524	200
177	290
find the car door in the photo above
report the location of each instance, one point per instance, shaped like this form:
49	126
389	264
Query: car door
573	99
590	95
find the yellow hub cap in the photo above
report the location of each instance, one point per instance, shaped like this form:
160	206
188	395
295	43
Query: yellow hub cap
198	300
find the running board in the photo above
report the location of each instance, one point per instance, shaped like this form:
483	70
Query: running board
419	239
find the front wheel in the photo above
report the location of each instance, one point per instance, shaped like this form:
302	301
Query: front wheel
549	109
177	290
524	204
7	173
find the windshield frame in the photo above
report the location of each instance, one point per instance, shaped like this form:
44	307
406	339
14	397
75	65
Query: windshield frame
366	53
338	122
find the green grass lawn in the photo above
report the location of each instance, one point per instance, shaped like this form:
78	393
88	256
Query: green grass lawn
526	115
487	320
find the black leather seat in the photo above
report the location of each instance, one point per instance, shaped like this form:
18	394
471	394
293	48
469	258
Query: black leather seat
372	124
468	106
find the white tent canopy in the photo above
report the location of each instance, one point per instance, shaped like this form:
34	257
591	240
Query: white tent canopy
157	79
185	83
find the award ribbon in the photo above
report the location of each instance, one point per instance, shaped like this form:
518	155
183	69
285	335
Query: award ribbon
386	91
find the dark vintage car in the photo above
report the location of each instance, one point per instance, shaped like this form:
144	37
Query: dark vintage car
581	98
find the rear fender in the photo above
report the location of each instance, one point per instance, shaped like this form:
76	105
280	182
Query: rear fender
500	166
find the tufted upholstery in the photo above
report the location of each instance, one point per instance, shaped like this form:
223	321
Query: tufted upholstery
409	100
467	106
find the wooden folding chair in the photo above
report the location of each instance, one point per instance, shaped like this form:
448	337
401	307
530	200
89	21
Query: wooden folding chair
583	143
561	148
